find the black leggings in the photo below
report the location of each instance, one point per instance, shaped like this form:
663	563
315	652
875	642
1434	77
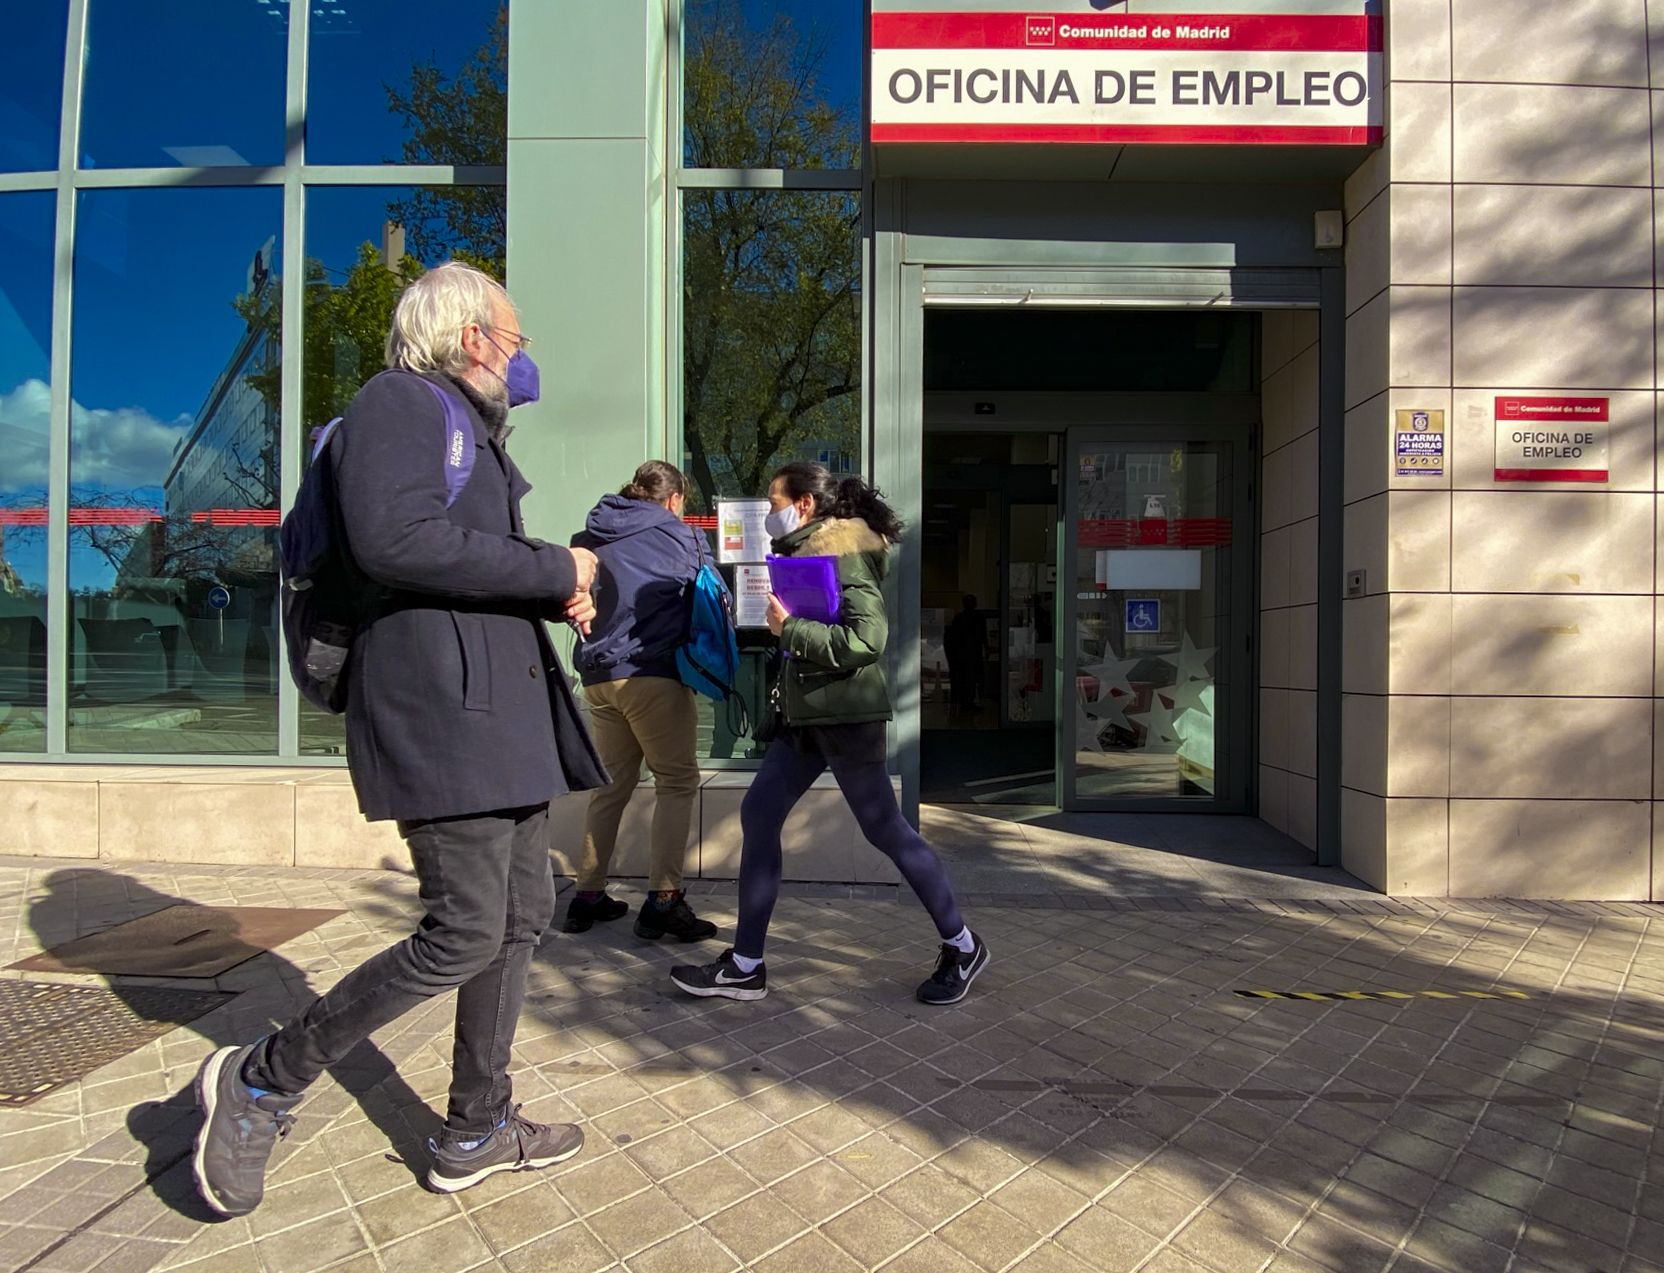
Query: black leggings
786	774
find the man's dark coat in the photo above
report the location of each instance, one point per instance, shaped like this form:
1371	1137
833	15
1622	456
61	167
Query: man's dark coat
456	702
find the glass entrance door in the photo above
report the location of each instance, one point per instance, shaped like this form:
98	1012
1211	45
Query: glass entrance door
1157	610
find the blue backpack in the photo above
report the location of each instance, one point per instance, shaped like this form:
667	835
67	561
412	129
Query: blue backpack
709	660
325	597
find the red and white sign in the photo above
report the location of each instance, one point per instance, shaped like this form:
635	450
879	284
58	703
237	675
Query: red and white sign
1551	439
1074	75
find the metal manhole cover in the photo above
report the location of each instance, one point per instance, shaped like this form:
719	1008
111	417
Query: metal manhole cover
181	941
53	1034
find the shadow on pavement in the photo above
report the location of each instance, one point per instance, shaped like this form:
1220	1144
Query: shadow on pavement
81	901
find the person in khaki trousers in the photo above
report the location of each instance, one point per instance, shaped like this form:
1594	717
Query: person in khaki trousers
639	708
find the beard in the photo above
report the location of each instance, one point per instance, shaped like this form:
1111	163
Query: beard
490	398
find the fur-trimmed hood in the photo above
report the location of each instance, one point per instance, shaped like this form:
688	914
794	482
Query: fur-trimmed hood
842	537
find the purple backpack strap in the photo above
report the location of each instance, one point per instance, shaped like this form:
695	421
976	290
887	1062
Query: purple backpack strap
459	444
322	435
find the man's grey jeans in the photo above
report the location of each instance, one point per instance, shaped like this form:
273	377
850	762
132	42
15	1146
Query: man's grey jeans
489	892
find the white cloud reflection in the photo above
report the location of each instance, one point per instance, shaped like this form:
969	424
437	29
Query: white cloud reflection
112	448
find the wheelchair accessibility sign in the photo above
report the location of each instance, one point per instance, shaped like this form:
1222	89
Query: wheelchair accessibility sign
1143	615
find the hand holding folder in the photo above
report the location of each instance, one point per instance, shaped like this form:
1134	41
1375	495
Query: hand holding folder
806	586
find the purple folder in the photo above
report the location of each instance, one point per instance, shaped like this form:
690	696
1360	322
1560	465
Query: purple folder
806	586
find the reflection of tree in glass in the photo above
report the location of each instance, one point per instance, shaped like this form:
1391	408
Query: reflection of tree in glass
452	120
458	120
771	281
461	119
345	332
211	521
752	98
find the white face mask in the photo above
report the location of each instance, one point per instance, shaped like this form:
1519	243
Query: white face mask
782	521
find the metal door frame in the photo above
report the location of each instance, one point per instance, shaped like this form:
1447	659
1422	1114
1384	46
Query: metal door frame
1234	788
1248	257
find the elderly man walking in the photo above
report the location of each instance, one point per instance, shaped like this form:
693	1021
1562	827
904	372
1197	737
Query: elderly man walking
460	725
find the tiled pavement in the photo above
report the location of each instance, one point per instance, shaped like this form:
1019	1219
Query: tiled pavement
1104	1101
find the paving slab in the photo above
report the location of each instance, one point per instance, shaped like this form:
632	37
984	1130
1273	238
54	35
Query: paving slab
1106	1099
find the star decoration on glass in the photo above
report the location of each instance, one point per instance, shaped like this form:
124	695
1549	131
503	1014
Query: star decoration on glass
1159	734
1110	674
1190	663
1109	708
1086	733
1187	696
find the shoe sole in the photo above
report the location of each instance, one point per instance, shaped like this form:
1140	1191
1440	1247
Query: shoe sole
976	971
207	1098
721	992
451	1184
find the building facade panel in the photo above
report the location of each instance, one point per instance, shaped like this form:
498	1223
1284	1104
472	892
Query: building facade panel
1149	405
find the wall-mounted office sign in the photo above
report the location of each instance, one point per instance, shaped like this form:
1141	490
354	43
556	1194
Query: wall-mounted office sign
1551	439
1418	444
947	71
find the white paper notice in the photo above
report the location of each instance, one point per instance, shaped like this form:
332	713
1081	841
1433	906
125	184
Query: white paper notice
739	530
750	596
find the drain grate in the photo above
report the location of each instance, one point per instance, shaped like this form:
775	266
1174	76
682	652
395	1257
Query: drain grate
52	1034
181	941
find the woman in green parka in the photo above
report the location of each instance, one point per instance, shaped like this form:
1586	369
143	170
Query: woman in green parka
833	704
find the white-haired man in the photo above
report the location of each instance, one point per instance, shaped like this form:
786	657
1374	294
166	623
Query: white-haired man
460	725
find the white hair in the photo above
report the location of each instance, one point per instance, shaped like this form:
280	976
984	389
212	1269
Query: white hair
428	322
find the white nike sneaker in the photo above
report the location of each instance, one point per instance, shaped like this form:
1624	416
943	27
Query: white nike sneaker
722	978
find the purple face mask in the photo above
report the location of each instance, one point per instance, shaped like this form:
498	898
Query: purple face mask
523	380
522	377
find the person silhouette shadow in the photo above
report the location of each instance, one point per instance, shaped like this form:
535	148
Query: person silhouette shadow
268	988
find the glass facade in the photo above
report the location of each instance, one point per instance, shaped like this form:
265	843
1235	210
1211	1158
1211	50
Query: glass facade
770	280
397	81
32	86
772	83
209	309
771	335
173	472
223	65
363	243
214	277
25	408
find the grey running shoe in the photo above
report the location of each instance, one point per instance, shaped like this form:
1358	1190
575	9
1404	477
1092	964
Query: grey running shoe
239	1131
518	1145
954	973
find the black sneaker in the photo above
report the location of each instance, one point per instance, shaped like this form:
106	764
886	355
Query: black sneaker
518	1145
582	914
239	1131
954	973
677	920
722	978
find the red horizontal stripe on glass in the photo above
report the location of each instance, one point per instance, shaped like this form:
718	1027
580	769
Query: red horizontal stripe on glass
1127	532
91	515
1132	134
238	517
1287	33
114	516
